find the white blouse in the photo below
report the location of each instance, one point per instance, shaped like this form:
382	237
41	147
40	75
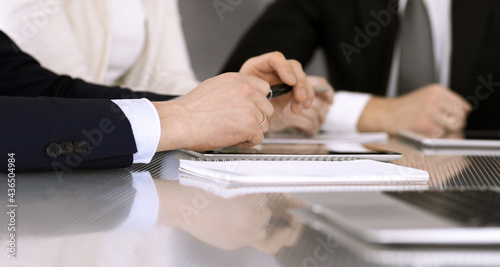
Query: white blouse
128	27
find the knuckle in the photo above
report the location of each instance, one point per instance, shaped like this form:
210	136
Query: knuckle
276	54
246	122
295	62
247	90
269	108
247	108
245	144
265	127
257	138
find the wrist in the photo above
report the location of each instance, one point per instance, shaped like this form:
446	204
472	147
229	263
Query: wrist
172	127
373	117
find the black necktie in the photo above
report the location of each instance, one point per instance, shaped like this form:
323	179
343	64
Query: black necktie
416	66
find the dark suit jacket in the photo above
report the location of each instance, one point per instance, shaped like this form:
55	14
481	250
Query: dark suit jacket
298	27
39	108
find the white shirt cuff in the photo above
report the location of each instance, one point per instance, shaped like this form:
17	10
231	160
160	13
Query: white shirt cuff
146	126
344	114
146	206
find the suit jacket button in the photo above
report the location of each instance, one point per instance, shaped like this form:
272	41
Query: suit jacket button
81	146
67	147
53	150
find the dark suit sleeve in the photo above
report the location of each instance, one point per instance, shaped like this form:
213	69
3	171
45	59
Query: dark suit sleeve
288	26
39	108
22	75
96	128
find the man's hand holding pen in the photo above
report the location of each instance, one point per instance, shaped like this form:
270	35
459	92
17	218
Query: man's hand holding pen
232	108
274	68
305	109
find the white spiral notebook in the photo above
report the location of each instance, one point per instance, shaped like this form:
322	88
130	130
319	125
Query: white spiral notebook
355	172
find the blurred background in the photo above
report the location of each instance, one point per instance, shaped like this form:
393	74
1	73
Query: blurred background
210	40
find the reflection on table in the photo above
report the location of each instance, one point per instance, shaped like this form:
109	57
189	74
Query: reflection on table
144	216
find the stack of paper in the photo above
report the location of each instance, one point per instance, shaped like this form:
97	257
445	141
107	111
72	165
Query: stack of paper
357	172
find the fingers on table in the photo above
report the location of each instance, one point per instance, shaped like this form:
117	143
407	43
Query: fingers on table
307	123
322	88
327	96
448	122
321	109
453	112
303	91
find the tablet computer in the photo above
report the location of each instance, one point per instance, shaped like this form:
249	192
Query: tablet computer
429	217
317	152
401	255
467	139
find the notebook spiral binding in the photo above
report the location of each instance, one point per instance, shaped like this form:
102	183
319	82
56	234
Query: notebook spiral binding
271	158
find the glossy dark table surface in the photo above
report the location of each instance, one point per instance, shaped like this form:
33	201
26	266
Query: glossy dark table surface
83	218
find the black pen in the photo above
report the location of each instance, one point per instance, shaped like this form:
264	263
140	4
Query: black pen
279	90
283	89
